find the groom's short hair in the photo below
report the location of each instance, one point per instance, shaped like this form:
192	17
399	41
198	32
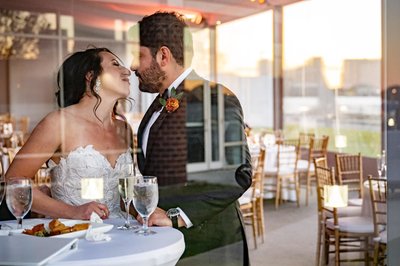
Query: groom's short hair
167	29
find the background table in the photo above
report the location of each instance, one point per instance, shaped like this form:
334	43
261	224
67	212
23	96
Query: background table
127	248
366	207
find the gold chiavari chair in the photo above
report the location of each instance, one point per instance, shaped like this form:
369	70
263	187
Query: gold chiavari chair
259	171
318	148
350	172
349	234
284	170
326	176
378	192
248	204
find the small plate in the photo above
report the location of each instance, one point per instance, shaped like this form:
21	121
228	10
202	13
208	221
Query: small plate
96	228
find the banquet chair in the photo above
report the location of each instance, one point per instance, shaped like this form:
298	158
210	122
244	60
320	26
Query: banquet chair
318	147
42	176
378	192
259	171
304	146
348	234
11	152
350	172
23	129
1	165
251	204
326	176
247	203
284	171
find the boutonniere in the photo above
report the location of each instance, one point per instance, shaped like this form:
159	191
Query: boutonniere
172	103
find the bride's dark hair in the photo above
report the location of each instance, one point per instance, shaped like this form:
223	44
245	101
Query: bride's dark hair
71	77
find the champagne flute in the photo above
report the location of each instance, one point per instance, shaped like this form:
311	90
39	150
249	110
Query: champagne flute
19	198
125	188
145	200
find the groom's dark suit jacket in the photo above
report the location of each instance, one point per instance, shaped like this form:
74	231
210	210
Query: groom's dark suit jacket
211	206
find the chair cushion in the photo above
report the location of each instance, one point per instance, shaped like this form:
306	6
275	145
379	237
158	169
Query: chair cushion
348	211
355	224
355	202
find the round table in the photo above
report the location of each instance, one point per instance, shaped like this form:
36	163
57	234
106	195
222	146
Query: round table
127	248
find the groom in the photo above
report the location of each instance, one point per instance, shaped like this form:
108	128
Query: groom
172	133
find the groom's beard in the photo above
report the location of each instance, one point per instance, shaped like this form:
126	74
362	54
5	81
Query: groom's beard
150	80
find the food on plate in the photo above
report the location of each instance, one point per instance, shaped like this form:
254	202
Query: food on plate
37	230
55	228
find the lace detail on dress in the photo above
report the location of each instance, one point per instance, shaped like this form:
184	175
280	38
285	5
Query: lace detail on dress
85	162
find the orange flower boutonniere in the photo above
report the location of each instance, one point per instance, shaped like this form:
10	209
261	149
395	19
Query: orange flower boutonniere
172	103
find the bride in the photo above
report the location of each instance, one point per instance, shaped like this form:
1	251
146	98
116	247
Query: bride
84	138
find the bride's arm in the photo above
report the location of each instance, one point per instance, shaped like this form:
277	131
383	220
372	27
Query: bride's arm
44	141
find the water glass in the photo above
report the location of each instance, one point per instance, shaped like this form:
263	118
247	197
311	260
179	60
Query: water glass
19	198
145	200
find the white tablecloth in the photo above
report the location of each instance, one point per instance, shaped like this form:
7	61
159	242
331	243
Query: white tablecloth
127	248
366	207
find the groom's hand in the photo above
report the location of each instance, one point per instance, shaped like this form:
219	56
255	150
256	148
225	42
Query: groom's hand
158	217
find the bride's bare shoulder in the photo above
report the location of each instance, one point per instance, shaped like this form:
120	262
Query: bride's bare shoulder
56	118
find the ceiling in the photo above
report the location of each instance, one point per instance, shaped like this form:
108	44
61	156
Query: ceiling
102	13
211	10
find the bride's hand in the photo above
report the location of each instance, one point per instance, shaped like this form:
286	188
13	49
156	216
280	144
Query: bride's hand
84	211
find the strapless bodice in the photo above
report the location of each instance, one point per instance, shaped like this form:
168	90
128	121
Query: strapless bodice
86	162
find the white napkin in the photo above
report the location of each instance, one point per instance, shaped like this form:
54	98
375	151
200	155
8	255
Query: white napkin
91	235
95	218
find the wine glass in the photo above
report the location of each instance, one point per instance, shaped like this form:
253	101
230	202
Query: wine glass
125	188
145	200
19	198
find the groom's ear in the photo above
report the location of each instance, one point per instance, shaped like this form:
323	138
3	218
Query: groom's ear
164	56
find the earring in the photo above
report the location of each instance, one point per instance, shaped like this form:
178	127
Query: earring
97	86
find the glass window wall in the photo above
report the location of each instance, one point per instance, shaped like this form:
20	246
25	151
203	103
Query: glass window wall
332	66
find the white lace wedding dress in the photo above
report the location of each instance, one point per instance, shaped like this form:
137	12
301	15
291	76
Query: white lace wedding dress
86	162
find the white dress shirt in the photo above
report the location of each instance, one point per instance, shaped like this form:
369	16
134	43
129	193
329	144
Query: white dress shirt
153	119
